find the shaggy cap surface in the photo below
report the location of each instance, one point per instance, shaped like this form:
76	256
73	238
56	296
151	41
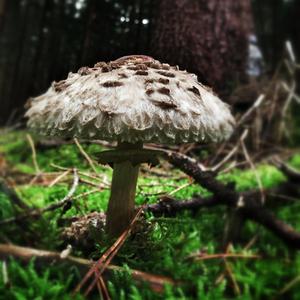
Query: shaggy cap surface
132	99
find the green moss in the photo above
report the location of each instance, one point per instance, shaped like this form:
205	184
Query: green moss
295	161
25	282
248	179
166	245
18	152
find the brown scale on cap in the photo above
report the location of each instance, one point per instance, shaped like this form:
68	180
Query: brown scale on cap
154	65
142	67
166	74
60	86
165	67
84	71
109	84
134	58
122	75
160	80
194	90
149	81
138	67
115	65
148	63
106	69
164	91
140	72
163	80
133	68
164	104
149	92
100	64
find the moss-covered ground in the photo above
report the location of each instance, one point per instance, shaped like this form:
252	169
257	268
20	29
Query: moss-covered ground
167	248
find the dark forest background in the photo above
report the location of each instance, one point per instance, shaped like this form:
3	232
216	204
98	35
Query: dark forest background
42	40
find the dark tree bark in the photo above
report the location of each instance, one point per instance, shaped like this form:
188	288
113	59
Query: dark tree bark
209	38
24	72
2	12
11	43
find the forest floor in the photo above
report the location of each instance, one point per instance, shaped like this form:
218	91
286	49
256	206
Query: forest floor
181	253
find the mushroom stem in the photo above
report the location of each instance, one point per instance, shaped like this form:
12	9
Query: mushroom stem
121	203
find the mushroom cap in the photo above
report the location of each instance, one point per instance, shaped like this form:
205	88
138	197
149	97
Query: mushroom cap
132	99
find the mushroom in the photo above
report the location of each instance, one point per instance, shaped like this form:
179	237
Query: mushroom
132	100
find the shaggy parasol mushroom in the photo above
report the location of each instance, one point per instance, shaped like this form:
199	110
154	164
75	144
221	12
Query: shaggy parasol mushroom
132	100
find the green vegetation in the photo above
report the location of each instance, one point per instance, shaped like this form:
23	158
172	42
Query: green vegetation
167	246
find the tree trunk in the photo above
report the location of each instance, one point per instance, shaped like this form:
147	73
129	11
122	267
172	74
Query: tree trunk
209	38
2	12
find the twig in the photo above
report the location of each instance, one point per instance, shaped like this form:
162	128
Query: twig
290	285
282	230
239	123
290	51
157	283
59	178
180	188
224	255
252	166
51	207
169	207
104	261
226	158
89	160
100	185
244	201
249	112
155	172
104	292
105	179
106	258
231	276
251	209
286	106
231	153
35	163
204	178
291	90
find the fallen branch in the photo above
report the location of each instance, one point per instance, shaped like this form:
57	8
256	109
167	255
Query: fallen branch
156	282
205	178
251	209
291	173
168	206
282	230
246	203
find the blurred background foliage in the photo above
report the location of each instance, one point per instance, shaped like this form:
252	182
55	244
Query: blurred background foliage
42	40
